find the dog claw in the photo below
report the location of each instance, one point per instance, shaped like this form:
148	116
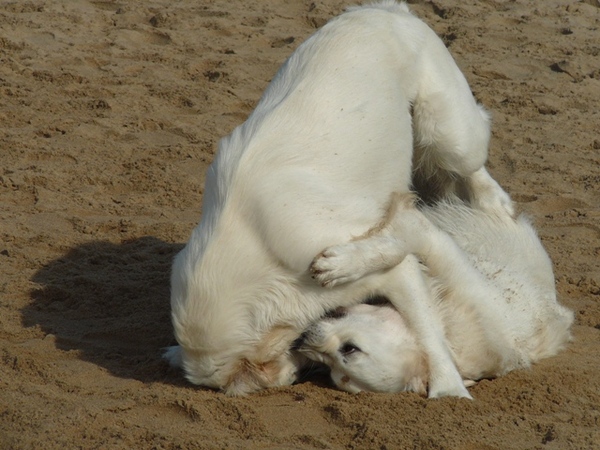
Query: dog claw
333	266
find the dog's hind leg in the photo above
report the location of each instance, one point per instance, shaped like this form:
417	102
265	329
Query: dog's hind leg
451	135
484	193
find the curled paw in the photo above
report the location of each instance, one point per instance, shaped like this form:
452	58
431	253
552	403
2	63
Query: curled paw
334	266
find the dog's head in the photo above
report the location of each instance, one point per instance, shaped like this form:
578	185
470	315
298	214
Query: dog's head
234	376
368	348
243	369
224	320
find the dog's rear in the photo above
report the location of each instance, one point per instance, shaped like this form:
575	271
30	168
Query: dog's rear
517	269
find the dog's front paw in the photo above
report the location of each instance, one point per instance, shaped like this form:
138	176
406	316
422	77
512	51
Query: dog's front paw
351	261
336	265
448	386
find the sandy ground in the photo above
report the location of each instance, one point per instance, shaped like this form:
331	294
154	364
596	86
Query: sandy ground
109	115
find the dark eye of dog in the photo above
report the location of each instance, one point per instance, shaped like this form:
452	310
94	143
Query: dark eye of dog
348	348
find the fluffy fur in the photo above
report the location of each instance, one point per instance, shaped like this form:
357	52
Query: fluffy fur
495	299
321	160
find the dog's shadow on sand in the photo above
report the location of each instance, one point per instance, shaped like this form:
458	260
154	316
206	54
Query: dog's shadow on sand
111	303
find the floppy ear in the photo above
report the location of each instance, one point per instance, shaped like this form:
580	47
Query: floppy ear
276	342
264	369
251	377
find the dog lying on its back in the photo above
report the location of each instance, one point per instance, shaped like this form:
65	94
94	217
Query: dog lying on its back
322	159
495	298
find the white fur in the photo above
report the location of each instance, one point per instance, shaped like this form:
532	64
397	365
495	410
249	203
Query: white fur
495	297
319	161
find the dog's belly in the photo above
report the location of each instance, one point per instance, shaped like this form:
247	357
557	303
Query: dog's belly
299	211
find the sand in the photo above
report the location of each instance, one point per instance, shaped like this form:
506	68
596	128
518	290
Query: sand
109	115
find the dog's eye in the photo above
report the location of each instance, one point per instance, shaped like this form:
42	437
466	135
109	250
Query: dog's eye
348	348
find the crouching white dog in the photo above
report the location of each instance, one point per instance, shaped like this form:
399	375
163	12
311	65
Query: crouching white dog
320	161
495	299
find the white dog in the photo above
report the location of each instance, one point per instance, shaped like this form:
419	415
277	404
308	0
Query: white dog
495	299
323	159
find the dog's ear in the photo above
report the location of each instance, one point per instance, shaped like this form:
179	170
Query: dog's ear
250	377
276	342
265	366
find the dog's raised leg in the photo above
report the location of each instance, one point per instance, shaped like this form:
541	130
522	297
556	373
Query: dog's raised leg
452	133
407	290
382	247
384	252
410	232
